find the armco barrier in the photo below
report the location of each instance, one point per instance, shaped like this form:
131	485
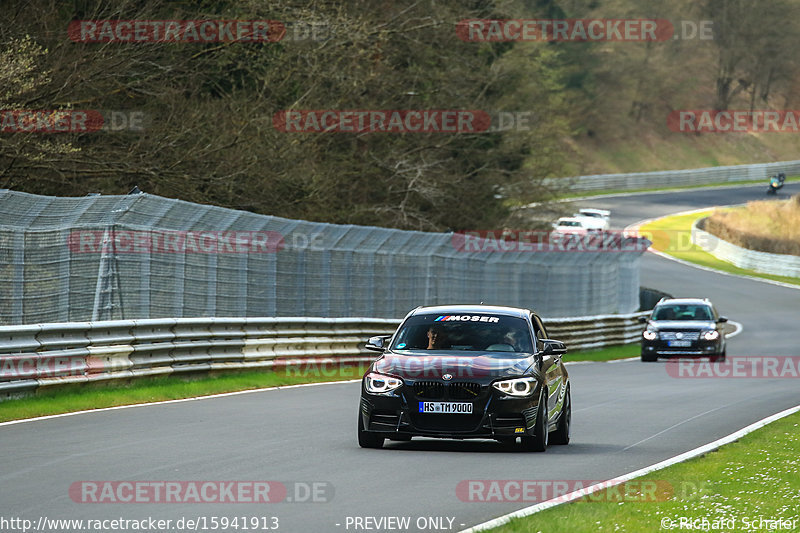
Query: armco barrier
766	263
44	355
675	178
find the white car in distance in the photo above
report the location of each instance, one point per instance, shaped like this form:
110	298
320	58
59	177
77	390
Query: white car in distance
594	219
572	226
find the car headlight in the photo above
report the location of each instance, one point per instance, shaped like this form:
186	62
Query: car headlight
711	335
650	335
519	387
378	383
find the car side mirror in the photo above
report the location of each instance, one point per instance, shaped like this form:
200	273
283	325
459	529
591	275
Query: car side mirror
722	319
642	320
553	347
376	344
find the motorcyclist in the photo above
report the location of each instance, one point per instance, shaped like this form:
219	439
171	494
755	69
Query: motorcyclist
775	183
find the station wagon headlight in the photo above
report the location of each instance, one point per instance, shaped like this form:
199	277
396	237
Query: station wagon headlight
650	335
378	383
519	387
711	335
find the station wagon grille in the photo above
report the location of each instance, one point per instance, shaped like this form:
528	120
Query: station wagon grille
685	335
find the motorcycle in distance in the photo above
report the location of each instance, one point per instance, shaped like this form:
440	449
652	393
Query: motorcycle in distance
776	182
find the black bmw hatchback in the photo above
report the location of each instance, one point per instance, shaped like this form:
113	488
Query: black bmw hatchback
462	372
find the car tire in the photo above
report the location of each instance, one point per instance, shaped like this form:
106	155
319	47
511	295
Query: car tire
538	442
561	434
367	439
649	358
719	358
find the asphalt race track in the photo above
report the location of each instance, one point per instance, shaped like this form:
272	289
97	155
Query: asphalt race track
627	416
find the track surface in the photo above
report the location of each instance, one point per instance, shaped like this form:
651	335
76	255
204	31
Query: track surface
626	416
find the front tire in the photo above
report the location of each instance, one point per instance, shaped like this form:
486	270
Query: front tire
649	358
538	442
561	434
367	439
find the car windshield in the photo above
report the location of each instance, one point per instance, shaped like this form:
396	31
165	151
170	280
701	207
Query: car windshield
682	312
570	223
474	332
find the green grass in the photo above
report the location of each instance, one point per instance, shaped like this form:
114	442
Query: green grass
671	235
758	475
82	397
605	354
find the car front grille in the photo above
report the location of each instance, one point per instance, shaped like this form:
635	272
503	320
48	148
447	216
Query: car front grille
464	391
436	390
673	335
429	390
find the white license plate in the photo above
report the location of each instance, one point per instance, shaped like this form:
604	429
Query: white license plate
680	344
450	408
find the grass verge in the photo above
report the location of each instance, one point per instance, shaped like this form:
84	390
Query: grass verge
85	397
605	354
755	477
672	235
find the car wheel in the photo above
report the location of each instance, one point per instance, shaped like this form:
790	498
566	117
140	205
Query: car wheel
538	442
367	439
649	358
719	358
561	434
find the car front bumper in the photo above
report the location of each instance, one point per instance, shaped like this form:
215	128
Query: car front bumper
697	348
494	416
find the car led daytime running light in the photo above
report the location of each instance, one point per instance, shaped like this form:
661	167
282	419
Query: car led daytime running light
520	387
378	383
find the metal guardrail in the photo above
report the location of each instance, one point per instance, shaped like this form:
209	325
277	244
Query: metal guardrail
767	263
676	178
45	355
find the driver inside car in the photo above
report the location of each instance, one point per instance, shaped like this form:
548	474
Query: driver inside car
437	338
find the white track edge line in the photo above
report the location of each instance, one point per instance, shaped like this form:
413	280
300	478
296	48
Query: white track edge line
691	454
179	400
